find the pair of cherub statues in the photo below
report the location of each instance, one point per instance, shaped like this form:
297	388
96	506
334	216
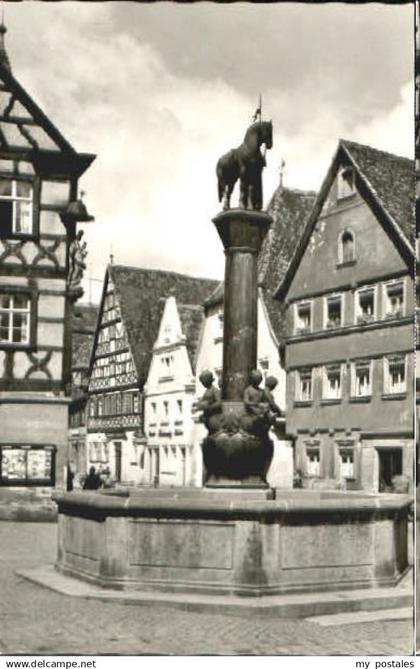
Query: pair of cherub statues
261	409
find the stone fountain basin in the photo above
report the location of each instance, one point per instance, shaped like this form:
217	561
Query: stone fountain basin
222	542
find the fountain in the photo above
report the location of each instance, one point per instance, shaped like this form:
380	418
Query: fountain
235	536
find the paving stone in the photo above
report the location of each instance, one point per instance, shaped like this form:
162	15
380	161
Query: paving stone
37	620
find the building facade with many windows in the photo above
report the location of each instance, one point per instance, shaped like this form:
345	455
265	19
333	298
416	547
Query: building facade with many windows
127	328
39	210
172	456
350	313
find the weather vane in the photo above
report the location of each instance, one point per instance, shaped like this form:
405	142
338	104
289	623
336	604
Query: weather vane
282	170
258	112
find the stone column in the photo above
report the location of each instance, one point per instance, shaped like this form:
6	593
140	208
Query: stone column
242	233
237	453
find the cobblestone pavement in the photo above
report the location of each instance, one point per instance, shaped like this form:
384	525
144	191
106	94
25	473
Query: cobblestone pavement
35	620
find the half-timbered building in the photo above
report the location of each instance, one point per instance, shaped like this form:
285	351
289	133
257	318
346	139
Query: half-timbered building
128	324
39	210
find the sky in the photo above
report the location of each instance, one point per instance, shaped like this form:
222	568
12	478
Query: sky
160	91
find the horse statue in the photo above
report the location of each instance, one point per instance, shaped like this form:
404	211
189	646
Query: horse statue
246	163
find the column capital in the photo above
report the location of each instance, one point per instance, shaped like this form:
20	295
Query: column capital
242	228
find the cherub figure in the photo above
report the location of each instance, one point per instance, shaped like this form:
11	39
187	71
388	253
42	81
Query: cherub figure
274	409
255	402
210	404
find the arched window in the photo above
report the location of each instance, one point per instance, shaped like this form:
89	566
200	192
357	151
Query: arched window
346	247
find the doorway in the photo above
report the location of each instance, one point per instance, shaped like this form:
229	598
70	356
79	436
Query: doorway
154	466
117	453
390	465
183	466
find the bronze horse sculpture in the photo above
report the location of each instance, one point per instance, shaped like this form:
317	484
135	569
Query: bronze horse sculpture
245	163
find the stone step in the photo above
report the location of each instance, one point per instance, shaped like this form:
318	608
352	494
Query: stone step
275	606
353	618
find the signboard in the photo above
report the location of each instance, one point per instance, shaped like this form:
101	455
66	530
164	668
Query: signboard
26	465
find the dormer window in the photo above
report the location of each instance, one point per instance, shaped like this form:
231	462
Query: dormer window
16	207
346	186
303	318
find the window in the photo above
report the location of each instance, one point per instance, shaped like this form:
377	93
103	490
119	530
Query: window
16	207
166	409
333	312
15	314
167	362
395	375
136	403
304	385
345	183
346	247
313	460
332	382
100	406
361	382
302	317
394	300
365	305
166	368
127	403
346	455
179	406
167	333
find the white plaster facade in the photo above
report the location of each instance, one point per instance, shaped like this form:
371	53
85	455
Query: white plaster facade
172	454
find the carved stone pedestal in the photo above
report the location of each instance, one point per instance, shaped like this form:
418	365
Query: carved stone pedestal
233	456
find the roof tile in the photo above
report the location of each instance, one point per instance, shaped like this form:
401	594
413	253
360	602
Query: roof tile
141	294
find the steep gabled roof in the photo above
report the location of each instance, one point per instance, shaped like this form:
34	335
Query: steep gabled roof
386	183
24	127
141	296
290	209
192	319
216	296
391	179
83	329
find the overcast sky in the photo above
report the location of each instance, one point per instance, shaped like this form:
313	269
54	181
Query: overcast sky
160	91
